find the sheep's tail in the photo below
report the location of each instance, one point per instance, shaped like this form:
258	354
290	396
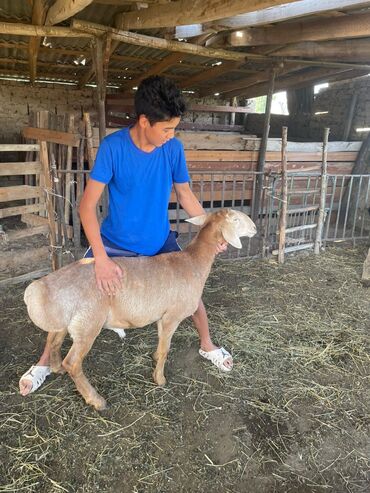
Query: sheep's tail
36	299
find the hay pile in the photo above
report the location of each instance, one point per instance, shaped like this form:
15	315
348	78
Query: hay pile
293	416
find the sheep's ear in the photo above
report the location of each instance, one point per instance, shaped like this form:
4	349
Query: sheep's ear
230	235
197	220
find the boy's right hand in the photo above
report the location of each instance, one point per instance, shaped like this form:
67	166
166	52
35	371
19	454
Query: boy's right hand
108	275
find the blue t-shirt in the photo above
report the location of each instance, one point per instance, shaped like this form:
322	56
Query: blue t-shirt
139	186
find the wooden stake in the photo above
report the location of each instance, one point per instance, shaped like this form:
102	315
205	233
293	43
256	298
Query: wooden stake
324	173
284	195
49	204
67	204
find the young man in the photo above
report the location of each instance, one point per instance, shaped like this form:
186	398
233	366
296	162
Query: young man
139	165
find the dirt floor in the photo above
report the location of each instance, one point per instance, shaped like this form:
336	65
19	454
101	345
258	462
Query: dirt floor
293	415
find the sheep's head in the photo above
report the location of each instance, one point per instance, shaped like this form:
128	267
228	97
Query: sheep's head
233	225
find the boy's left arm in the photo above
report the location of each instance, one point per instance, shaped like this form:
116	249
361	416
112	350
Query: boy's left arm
192	206
188	200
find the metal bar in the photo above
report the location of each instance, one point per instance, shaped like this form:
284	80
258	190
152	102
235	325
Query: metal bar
296	248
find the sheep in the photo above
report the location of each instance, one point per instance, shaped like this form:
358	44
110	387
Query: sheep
164	289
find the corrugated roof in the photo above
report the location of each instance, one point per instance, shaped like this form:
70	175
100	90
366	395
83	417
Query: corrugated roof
71	57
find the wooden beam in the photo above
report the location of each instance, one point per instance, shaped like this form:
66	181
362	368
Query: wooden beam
286	12
44	134
64	9
351	26
160	43
38	18
199	11
98	58
355	50
49	31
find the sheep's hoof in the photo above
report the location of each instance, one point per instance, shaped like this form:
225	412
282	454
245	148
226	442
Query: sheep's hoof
99	404
159	380
58	369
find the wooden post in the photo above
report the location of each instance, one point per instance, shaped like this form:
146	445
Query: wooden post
324	173
98	58
263	146
89	140
234	102
349	120
49	204
284	195
67	204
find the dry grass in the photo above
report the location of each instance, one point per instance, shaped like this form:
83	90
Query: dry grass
293	416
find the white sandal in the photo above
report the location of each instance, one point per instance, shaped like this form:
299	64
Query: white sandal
36	375
120	332
217	357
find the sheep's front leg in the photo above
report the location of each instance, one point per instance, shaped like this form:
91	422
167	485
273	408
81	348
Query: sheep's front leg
166	330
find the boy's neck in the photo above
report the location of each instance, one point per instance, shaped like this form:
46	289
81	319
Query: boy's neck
138	137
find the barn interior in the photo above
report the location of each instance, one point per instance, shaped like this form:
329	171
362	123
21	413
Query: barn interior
277	126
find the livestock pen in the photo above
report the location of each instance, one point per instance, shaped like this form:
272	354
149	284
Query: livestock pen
291	416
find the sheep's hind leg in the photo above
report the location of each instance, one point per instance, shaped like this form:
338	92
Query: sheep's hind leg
55	341
82	344
165	333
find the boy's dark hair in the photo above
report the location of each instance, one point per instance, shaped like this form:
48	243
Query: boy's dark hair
159	99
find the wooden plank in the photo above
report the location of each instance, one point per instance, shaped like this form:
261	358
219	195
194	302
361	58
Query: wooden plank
34	220
21	209
23	168
270	156
24	277
23	233
19	192
211	141
115	103
252	143
19	147
54	136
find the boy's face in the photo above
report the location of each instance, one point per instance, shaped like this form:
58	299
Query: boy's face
159	133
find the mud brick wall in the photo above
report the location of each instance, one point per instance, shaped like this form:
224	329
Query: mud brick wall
18	100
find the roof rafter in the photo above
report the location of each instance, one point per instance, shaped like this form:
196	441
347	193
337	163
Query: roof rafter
64	9
287	12
178	13
351	26
38	18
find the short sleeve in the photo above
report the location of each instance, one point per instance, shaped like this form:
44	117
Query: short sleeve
103	168
180	172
